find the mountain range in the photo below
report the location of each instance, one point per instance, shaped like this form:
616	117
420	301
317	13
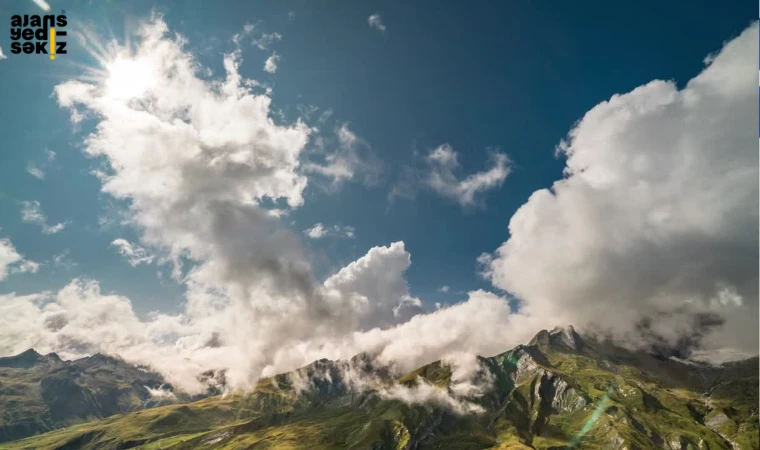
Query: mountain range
559	391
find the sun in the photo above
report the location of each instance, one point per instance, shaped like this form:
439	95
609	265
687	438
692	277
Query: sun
129	78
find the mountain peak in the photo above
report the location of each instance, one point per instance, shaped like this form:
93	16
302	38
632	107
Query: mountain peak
563	336
24	359
568	336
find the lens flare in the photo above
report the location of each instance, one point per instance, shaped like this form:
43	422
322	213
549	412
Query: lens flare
592	420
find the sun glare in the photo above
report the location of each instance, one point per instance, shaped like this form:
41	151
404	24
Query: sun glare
129	78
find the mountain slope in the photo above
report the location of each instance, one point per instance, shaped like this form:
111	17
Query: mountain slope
39	393
559	391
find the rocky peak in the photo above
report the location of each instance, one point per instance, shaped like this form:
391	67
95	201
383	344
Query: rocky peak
559	337
24	360
567	336
540	339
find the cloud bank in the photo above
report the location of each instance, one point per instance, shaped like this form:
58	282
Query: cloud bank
655	223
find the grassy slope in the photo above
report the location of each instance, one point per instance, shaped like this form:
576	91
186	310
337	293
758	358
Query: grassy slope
41	393
613	400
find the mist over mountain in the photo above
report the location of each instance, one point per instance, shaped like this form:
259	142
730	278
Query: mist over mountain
39	393
559	391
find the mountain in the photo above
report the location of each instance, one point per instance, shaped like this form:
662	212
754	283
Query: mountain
39	393
559	391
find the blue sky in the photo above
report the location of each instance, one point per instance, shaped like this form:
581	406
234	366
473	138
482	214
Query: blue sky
500	77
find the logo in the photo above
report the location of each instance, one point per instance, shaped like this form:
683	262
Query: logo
38	34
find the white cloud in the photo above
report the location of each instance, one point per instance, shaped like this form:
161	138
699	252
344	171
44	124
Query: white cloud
263	41
424	393
319	231
160	393
31	212
64	260
376	22
655	224
439	176
36	169
2	55
444	288
353	159
371	293
134	254
197	160
270	65
80	319
443	162
374	287
12	262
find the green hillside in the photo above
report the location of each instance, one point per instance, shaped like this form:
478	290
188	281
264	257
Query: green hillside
39	393
557	392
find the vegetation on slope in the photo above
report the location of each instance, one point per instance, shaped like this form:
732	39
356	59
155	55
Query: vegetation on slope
39	393
557	392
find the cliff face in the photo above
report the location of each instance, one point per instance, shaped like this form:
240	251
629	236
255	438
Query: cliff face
559	391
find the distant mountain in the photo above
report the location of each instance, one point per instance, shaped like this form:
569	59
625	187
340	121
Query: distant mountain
39	393
559	391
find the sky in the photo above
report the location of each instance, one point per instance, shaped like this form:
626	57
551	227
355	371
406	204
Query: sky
279	181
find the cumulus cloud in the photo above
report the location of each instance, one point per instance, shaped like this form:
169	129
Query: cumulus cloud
654	227
31	212
12	262
353	159
270	65
206	172
376	22
374	286
197	160
2	55
319	231
444	288
134	254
